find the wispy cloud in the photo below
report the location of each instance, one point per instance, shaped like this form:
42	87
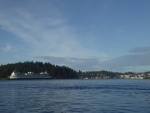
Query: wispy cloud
45	33
8	48
136	60
42	33
140	50
73	62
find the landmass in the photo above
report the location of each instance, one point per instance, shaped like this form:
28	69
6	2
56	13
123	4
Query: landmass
63	72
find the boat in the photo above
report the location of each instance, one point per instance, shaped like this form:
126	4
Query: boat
29	75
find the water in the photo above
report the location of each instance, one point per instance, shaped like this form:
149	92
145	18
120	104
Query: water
75	96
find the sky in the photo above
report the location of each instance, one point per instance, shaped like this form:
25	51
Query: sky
86	35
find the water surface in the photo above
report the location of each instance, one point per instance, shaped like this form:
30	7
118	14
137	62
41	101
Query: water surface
75	96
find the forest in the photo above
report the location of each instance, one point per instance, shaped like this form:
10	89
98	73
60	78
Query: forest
57	72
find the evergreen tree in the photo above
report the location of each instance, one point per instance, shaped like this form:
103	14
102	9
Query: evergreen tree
57	72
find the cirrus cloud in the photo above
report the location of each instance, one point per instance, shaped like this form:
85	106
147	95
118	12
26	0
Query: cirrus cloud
131	62
43	33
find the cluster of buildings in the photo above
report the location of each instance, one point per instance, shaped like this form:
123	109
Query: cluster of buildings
132	76
136	76
117	75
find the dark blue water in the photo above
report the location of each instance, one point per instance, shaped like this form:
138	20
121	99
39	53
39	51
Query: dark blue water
75	96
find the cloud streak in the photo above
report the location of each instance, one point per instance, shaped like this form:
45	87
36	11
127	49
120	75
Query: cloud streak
131	62
138	57
44	34
140	50
73	62
8	48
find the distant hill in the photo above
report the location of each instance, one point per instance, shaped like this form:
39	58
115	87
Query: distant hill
57	72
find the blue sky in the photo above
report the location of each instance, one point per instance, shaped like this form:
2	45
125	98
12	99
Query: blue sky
88	35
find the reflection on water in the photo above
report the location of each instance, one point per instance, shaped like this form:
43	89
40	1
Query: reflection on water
75	96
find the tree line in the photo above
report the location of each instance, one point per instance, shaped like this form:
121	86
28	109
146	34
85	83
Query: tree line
57	72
